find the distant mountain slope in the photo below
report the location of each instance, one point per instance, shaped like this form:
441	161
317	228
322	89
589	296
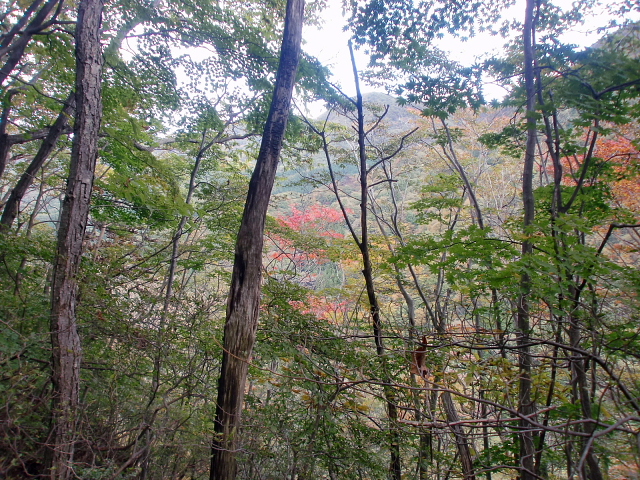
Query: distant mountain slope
397	118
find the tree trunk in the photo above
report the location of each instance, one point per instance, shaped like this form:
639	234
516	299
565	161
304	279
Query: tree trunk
395	467
578	365
19	25
66	351
12	206
16	48
244	297
460	436
525	402
4	138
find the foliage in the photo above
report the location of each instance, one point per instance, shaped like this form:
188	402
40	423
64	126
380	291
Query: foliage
177	142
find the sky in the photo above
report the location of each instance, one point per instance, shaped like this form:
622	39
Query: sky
329	44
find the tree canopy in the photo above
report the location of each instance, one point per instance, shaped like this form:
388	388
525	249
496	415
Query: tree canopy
441	287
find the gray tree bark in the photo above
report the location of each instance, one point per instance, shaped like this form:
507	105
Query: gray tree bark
244	297
66	350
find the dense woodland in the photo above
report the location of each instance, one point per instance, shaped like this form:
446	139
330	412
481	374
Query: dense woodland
441	288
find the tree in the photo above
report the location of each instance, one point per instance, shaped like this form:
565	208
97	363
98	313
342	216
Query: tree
59	127
244	297
66	349
12	50
538	98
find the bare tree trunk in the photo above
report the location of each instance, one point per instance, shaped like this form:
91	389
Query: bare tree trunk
460	436
244	297
66	350
450	153
32	220
395	467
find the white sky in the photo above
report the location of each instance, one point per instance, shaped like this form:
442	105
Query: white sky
329	45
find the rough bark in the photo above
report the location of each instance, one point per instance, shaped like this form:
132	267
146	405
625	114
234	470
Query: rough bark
244	297
66	350
58	128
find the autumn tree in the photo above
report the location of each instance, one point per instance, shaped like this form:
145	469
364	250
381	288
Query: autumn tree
539	99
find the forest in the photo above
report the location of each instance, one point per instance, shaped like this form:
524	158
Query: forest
199	279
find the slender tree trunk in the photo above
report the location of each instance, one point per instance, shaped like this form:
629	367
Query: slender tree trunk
450	153
395	468
32	221
66	351
4	137
48	144
590	471
460	436
550	394
244	297
161	341
525	402
16	48
19	25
